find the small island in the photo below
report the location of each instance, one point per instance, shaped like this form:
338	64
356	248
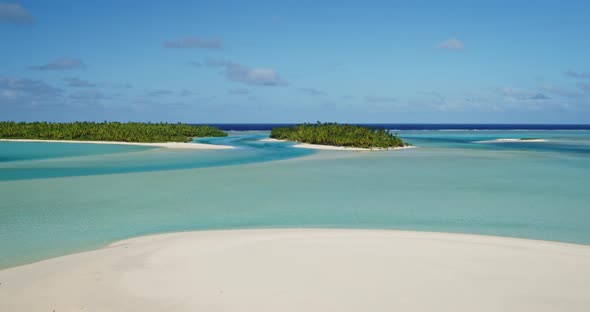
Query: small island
339	135
131	132
532	139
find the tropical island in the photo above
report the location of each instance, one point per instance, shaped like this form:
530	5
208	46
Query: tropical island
132	132
532	139
339	135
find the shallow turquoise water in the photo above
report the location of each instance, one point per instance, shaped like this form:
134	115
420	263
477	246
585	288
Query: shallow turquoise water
60	201
50	160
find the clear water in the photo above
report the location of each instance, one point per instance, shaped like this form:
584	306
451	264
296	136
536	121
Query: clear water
62	198
67	159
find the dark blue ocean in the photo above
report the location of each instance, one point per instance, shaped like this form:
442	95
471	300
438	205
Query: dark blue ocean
415	126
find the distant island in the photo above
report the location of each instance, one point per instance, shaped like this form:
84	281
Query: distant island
530	139
107	131
334	134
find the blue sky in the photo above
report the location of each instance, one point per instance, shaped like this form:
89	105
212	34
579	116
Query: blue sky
295	61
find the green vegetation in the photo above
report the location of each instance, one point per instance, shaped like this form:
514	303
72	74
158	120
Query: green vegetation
107	131
338	135
528	139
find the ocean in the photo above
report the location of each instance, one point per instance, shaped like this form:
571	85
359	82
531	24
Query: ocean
414	126
60	198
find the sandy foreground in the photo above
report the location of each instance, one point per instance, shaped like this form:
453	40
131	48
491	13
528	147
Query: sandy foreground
178	145
307	270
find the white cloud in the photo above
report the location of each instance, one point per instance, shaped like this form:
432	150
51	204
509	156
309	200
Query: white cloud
577	74
560	91
78	83
539	96
311	91
452	44
252	76
159	92
380	99
239	91
23	91
520	94
186	93
63	63
87	95
193	42
14	13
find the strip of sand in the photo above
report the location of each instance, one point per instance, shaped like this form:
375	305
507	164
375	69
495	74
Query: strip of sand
346	148
179	145
335	148
307	270
272	140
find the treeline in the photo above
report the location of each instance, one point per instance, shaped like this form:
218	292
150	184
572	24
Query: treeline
107	131
338	135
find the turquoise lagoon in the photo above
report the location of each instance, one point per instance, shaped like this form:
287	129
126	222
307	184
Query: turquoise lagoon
60	198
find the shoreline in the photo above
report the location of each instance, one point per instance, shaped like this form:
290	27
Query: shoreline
173	145
306	270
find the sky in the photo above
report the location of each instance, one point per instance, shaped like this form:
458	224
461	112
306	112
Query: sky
296	61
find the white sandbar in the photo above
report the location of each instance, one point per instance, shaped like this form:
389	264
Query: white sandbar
180	145
307	270
347	148
335	148
272	140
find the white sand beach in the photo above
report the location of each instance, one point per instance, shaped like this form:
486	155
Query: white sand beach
178	145
346	148
334	148
307	270
272	140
